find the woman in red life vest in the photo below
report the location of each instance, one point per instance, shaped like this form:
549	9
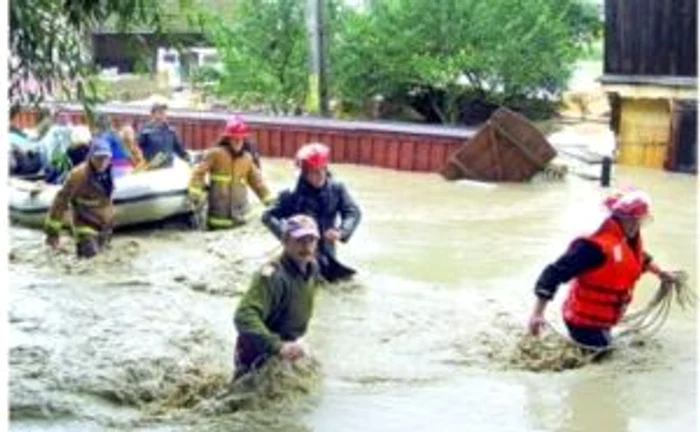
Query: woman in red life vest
603	268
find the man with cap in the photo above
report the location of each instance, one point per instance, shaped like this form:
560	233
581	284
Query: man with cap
231	169
275	311
159	141
88	192
603	268
325	199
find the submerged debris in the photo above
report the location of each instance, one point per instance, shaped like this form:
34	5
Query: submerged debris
507	346
279	382
549	352
165	389
554	172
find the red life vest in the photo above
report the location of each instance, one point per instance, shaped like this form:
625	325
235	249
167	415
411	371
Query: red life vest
598	298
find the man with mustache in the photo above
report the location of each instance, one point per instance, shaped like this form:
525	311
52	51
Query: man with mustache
276	310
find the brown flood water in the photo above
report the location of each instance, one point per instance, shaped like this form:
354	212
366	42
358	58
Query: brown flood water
417	342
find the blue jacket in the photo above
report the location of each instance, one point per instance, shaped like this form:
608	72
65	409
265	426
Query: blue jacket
325	205
154	139
119	153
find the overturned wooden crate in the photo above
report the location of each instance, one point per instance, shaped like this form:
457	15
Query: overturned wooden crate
508	148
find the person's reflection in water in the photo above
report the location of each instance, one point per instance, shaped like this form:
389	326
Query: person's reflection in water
576	403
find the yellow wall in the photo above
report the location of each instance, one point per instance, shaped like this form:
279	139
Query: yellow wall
644	134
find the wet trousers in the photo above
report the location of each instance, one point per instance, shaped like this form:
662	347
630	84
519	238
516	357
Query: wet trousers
246	357
87	246
590	336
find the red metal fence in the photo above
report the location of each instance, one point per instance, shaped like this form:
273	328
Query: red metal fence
404	147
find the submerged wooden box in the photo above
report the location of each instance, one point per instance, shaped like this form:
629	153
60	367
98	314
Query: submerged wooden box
508	148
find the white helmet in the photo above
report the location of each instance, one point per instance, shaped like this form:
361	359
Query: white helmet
80	135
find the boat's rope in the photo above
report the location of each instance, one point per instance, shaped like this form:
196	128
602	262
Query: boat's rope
652	317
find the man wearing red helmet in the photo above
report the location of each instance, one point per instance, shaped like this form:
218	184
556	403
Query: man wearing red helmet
231	170
325	199
604	268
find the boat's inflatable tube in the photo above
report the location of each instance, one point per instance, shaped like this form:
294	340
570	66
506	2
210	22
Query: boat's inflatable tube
139	197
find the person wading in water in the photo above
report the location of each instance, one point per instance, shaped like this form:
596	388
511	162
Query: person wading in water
275	311
319	195
603	268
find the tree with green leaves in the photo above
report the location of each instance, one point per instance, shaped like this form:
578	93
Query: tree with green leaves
504	51
49	41
265	54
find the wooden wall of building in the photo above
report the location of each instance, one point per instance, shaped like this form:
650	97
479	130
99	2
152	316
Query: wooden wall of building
651	37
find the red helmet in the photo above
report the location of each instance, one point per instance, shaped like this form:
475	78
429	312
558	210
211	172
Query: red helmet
313	156
236	128
630	204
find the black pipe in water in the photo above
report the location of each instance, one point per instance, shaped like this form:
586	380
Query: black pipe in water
606	171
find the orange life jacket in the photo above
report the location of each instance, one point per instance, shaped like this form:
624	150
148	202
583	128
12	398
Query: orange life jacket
598	298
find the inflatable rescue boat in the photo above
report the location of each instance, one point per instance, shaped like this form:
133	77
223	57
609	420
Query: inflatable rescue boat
138	198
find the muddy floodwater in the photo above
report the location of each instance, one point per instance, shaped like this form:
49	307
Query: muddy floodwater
140	338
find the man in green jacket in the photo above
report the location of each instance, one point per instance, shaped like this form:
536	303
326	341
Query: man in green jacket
275	311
